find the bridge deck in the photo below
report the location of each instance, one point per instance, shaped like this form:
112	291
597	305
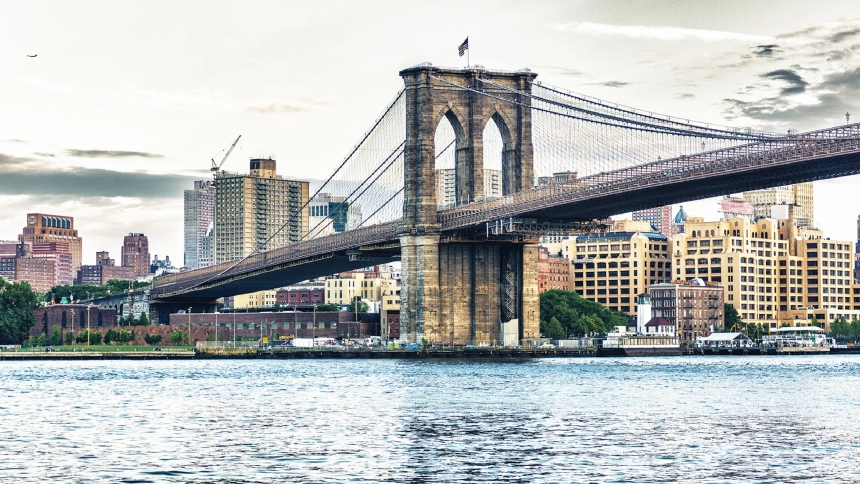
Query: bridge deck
810	156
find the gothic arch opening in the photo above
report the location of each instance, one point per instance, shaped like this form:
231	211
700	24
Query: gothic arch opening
449	137
493	145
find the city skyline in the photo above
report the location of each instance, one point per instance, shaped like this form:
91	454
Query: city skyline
125	105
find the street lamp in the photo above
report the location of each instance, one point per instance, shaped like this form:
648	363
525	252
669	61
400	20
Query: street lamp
189	325
216	326
295	323
73	325
315	325
88	323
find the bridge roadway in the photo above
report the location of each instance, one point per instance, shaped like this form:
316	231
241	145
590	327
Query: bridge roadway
817	155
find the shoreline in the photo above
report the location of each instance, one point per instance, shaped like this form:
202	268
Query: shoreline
475	353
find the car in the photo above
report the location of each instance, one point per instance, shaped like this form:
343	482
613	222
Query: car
470	347
413	346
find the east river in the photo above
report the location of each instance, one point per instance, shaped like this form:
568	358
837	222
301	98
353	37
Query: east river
682	419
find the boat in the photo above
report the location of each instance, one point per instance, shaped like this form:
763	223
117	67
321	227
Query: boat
620	342
798	339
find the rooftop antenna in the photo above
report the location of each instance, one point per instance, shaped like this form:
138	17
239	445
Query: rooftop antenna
847	117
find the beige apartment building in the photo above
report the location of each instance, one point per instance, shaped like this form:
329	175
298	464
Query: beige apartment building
613	268
255	300
773	272
799	196
251	209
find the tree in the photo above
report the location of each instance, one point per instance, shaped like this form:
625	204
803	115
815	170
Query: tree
328	307
69	337
363	307
552	329
732	318
152	339
576	315
123	337
143	320
176	337
17	303
110	336
56	339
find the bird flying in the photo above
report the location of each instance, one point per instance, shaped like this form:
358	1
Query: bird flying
34	55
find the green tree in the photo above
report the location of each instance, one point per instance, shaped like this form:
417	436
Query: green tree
123	337
177	336
578	315
69	337
94	337
552	329
152	339
363	307
109	336
328	307
143	320
733	321
17	303
840	329
55	338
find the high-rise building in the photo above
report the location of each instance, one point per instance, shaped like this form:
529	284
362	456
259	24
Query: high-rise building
54	228
62	257
446	178
800	195
200	225
260	210
615	267
330	214
659	217
135	253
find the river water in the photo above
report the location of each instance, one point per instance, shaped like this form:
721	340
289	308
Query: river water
681	419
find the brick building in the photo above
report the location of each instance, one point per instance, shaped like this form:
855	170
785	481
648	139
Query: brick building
553	271
300	296
72	317
301	324
54	228
135	253
695	309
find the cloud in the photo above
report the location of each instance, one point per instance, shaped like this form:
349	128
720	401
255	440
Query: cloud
684	95
796	83
51	155
843	34
837	93
110	154
288	107
613	84
89	182
564	71
9	160
766	50
278	108
658	32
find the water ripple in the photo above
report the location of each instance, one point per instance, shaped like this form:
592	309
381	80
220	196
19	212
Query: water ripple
733	419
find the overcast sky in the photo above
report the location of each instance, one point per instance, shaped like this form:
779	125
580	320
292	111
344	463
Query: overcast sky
126	102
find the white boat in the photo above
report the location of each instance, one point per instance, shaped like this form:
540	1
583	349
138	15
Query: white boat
620	342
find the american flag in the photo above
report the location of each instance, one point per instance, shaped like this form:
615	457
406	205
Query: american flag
463	47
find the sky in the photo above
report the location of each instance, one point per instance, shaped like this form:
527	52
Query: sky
126	103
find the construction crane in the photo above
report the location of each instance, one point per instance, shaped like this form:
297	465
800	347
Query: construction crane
217	166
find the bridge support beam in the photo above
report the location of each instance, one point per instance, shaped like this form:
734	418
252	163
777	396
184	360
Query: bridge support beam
160	311
462	293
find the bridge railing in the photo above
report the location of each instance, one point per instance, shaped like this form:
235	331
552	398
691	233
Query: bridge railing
176	283
842	139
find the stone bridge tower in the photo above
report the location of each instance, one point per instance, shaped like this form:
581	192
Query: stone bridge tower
465	288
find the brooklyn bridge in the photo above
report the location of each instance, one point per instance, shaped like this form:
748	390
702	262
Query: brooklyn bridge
567	163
